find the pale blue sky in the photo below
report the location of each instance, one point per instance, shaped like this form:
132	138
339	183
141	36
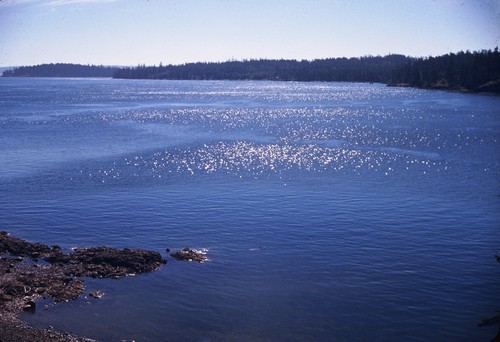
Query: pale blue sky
131	32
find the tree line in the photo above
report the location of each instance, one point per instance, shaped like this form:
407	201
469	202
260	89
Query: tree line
473	71
477	71
363	69
61	70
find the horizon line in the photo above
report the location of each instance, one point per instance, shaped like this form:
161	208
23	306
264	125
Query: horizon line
250	59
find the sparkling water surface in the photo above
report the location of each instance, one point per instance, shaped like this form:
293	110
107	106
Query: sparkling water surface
330	211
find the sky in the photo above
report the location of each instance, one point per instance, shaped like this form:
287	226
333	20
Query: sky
132	32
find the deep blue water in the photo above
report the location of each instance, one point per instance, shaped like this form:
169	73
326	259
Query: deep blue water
330	211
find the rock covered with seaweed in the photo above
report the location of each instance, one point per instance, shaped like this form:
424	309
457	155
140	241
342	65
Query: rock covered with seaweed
31	270
190	254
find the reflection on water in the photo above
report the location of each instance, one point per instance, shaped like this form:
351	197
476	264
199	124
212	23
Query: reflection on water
330	211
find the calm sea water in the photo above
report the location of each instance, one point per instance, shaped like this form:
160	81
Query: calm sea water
331	211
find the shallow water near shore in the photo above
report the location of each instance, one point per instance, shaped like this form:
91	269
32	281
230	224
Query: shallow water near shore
330	211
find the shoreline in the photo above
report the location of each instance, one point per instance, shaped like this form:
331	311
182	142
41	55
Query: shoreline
450	89
12	328
29	271
446	88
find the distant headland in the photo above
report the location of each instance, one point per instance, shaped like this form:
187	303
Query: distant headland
61	70
477	71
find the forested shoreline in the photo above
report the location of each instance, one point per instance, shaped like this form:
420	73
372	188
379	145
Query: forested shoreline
465	71
363	69
477	71
61	70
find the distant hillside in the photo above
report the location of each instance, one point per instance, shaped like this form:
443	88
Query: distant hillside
61	70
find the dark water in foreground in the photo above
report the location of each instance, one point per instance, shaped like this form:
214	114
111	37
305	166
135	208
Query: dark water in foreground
331	212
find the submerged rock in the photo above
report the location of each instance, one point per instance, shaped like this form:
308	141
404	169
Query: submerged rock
495	320
189	254
97	294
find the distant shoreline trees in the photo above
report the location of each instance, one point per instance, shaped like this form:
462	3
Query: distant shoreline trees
363	69
477	71
61	70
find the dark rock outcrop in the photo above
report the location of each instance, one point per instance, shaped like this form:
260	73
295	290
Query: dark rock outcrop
96	262
189	254
31	270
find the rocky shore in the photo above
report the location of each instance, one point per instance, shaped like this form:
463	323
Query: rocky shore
32	270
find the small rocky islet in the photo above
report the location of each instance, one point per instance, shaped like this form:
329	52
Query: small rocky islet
190	254
32	270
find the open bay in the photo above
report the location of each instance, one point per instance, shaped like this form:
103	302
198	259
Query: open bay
330	211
